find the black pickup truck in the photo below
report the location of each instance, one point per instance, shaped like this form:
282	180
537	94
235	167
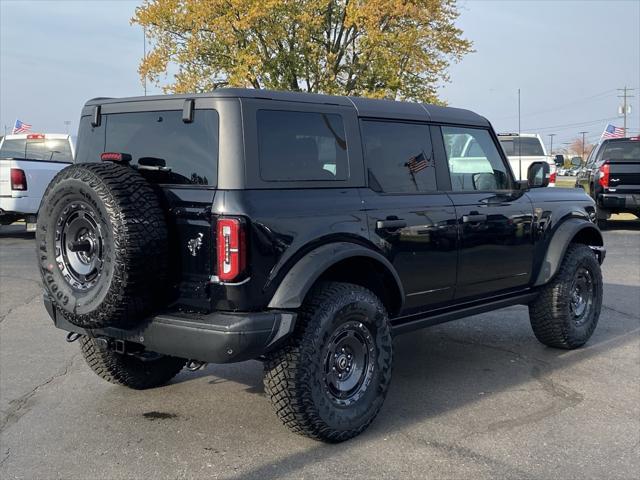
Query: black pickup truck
303	231
611	177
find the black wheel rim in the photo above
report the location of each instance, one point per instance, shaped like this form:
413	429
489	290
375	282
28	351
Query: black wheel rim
79	246
349	363
582	294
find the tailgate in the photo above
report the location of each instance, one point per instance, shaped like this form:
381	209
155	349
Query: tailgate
624	176
191	244
5	177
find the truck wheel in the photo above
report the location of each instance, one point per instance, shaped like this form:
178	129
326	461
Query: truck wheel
102	245
566	312
330	380
146	370
601	217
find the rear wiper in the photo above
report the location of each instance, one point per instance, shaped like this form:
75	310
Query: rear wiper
153	164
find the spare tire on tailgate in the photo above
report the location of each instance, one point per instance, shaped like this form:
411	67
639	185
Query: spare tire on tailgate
102	245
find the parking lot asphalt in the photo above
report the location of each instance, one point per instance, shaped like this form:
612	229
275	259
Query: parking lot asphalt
476	398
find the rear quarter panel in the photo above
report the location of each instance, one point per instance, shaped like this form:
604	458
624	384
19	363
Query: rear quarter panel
284	226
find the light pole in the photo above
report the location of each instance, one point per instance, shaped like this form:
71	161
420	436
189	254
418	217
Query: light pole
551	135
583	134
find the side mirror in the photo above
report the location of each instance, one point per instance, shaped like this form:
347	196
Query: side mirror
538	175
576	162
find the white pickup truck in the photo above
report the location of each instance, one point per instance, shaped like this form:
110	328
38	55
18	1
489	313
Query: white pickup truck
28	162
522	150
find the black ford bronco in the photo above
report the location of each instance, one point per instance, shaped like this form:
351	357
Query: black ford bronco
304	231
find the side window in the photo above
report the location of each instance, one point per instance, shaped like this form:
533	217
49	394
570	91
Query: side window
301	146
399	156
474	160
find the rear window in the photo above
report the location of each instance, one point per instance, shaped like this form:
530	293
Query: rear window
187	153
399	156
301	146
622	150
53	150
524	146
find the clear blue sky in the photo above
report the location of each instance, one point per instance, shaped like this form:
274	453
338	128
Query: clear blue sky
567	57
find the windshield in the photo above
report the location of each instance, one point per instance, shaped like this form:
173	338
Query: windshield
624	150
56	150
525	146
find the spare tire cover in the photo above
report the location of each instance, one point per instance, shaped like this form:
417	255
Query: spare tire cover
101	240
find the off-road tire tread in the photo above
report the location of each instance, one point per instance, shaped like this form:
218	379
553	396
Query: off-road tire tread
548	312
285	372
140	237
129	371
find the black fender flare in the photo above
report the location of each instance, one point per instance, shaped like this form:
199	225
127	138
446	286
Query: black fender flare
301	277
559	242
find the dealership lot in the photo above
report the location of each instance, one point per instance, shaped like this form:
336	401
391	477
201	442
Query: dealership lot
478	397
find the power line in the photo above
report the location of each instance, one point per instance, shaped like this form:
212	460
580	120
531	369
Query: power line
560	107
570	125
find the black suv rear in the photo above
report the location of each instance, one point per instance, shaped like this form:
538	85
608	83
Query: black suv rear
611	176
302	230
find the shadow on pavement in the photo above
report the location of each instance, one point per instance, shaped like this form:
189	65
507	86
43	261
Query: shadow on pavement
613	225
444	368
15	231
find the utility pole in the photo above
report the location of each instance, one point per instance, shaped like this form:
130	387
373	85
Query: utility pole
551	135
624	97
519	142
583	134
144	55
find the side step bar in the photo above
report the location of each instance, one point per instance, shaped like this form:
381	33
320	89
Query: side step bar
414	322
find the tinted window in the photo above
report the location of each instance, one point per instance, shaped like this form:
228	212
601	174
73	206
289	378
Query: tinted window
55	150
300	146
477	168
181	153
524	146
622	150
399	156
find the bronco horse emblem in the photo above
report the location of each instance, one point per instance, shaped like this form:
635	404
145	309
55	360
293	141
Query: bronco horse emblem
194	245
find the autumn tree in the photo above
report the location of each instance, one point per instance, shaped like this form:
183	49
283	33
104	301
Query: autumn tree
576	148
375	48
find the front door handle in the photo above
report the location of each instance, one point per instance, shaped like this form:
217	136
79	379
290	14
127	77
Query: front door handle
474	218
390	224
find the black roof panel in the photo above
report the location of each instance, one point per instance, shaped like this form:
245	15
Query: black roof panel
366	107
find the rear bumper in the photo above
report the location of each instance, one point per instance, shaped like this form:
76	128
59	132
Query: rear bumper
220	337
620	201
17	205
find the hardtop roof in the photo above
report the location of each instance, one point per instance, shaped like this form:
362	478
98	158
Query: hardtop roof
365	107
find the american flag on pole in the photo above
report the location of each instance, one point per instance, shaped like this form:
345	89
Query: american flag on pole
417	163
613	132
20	127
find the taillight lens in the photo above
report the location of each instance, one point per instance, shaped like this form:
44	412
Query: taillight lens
552	177
18	179
603	175
231	247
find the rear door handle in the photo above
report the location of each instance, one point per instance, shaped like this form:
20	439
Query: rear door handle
473	218
390	224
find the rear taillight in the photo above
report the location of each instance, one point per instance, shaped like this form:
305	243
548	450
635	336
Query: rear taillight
18	179
552	177
232	248
603	175
115	157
